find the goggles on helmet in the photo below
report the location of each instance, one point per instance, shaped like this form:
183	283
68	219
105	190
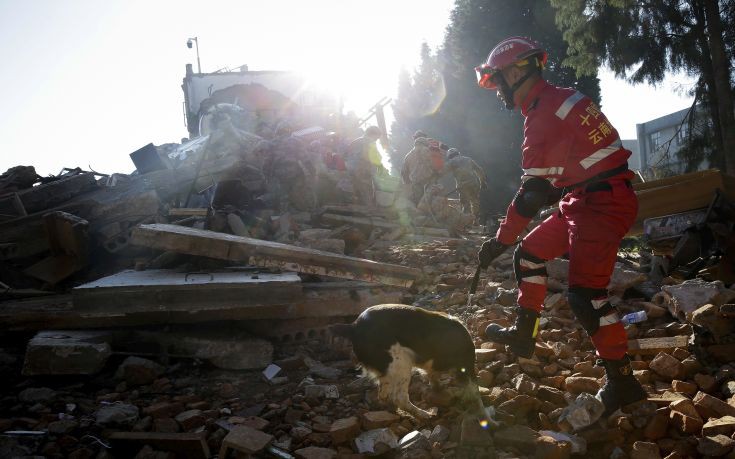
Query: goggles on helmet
486	74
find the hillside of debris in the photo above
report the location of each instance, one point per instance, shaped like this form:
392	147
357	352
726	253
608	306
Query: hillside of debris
182	311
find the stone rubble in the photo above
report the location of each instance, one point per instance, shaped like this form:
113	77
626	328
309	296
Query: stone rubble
313	403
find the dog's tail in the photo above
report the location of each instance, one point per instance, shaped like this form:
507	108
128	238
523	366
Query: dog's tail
342	330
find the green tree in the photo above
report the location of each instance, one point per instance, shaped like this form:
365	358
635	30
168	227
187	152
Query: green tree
641	40
471	118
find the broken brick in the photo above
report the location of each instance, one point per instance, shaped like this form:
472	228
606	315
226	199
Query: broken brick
549	448
720	426
705	382
577	384
709	406
645	450
190	419
716	446
685	417
378	419
684	387
344	430
667	366
163	409
246	440
658	425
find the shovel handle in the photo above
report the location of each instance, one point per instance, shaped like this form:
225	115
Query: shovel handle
473	285
475	280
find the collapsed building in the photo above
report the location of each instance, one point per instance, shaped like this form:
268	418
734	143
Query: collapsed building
181	310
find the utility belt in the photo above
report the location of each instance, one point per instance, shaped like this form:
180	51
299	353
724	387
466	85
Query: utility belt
599	182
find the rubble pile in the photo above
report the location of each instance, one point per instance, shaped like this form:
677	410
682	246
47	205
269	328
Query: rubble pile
307	400
182	311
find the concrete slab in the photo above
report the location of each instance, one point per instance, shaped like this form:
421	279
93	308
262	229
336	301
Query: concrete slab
67	353
160	289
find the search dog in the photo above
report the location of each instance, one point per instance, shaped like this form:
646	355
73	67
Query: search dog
390	340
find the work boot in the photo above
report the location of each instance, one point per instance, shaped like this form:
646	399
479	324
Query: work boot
621	388
521	337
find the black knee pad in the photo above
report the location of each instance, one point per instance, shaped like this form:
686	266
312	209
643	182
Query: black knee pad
580	301
520	254
532	196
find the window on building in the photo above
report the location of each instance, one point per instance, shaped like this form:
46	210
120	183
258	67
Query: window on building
681	136
655	140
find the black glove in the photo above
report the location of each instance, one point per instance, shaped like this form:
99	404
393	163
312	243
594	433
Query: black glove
490	250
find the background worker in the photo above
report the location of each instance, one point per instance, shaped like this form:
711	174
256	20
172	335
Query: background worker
423	165
568	144
470	179
363	162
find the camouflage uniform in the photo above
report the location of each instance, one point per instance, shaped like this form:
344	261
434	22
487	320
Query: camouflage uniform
362	163
417	170
469	177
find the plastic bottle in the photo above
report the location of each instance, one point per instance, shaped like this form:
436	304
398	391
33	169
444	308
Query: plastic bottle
634	317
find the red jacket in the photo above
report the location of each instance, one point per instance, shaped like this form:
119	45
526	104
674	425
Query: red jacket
567	140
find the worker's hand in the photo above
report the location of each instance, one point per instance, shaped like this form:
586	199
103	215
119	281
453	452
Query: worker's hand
490	250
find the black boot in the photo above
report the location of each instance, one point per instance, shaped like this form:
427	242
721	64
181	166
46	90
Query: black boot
521	337
621	388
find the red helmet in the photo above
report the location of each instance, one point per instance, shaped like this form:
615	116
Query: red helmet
511	51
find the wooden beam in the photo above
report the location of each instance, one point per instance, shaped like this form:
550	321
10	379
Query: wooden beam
54	193
270	254
648	346
672	195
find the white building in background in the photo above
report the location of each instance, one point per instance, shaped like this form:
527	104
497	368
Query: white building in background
659	140
634	162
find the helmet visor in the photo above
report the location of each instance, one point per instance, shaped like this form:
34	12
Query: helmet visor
485	75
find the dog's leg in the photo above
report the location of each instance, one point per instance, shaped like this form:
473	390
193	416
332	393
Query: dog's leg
385	389
399	374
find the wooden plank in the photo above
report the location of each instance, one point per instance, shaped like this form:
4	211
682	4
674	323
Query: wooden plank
658	183
648	346
675	194
270	254
54	193
187	445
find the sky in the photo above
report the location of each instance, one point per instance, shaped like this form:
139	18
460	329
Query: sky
86	82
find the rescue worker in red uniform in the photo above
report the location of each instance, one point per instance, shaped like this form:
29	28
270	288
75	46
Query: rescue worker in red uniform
569	150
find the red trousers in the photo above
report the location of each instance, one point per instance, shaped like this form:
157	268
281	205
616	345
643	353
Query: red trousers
589	227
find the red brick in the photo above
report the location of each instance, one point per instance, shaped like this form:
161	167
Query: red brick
344	430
